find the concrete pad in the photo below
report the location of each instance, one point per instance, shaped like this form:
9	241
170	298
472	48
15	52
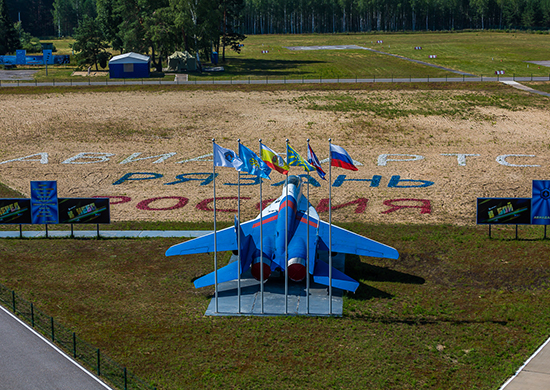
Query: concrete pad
534	374
541	63
274	296
274	299
529	381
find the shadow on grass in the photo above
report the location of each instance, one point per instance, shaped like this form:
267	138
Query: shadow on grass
424	321
367	272
359	270
259	67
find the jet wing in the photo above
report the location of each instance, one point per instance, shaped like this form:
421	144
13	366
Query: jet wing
344	241
226	240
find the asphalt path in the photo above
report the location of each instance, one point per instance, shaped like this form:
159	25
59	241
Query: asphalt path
17	74
30	362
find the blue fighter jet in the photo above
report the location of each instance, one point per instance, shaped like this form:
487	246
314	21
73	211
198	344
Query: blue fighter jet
273	220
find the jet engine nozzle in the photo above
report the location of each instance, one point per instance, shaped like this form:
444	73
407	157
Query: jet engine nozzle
255	268
297	269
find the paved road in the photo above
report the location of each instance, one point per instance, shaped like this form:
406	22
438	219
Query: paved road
30	362
534	374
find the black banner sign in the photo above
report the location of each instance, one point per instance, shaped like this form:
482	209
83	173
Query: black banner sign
504	211
15	211
84	210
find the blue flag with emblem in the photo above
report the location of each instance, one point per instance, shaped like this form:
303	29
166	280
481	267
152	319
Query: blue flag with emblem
252	163
294	159
226	158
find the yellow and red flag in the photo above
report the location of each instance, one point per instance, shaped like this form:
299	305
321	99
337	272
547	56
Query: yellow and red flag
273	160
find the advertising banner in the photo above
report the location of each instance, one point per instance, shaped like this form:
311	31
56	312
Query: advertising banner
15	211
540	214
44	202
84	210
504	211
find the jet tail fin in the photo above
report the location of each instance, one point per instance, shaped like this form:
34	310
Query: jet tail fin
225	274
339	279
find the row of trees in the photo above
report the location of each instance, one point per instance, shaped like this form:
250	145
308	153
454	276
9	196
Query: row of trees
162	26
158	27
330	16
300	16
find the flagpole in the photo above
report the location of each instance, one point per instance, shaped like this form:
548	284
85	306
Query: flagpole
261	243
307	242
286	237
215	243
239	234
329	229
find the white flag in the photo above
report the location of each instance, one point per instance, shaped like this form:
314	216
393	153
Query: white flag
226	158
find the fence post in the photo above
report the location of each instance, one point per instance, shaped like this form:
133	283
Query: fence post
53	334
125	379
74	345
98	364
13	300
32	315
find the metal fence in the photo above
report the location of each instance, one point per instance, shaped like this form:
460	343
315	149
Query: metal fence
91	357
224	80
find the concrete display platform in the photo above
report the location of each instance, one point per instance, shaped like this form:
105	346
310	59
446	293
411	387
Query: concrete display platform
274	296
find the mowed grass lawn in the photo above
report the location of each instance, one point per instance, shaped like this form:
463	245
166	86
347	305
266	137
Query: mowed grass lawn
458	310
479	53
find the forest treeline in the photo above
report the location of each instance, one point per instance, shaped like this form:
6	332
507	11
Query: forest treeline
205	25
60	17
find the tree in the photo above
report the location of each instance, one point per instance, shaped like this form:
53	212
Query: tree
109	21
9	40
162	34
231	10
90	43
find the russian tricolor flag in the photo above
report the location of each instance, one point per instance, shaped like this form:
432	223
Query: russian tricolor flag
340	158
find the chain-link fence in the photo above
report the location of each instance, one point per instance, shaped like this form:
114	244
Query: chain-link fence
90	356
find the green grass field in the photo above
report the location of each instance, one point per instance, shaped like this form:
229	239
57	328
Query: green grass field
479	53
458	310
